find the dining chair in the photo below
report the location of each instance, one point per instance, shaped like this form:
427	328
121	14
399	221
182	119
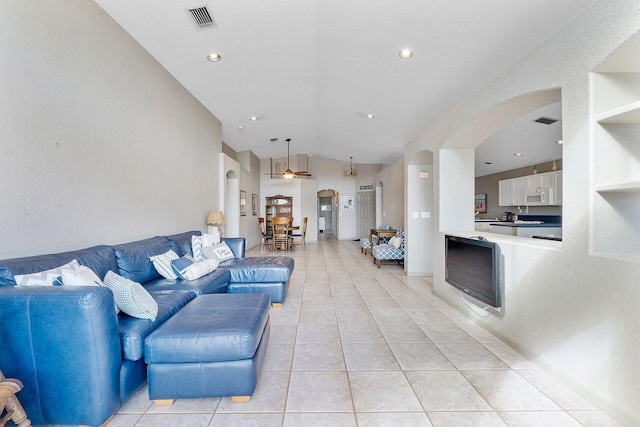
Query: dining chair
280	231
303	233
266	237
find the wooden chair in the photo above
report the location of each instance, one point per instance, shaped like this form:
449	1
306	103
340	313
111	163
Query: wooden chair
303	233
280	231
266	237
9	402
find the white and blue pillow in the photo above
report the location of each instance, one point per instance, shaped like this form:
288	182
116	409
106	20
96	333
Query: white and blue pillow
180	265
82	276
131	297
198	243
220	252
162	263
47	277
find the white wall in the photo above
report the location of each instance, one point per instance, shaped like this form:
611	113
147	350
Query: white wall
99	143
392	178
328	173
574	312
419	232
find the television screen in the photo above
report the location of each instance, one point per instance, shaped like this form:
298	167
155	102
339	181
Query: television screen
473	266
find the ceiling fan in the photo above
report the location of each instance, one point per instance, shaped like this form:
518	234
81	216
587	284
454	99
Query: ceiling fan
289	174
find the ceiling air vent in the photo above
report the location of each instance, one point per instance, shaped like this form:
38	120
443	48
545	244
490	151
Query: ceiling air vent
545	120
201	17
273	140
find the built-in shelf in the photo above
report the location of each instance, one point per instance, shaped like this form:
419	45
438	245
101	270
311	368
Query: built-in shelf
615	225
629	113
621	187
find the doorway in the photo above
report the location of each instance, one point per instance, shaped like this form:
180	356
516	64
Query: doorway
327	207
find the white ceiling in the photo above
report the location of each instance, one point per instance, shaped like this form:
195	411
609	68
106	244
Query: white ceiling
312	69
536	141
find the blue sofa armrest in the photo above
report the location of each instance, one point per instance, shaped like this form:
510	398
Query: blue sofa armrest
236	244
63	344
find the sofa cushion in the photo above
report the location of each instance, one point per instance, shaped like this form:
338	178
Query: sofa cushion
133	331
213	283
181	243
261	269
133	258
98	258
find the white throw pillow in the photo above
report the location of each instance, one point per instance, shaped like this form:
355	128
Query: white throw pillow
220	252
131	297
83	276
45	278
199	269
198	243
395	242
162	263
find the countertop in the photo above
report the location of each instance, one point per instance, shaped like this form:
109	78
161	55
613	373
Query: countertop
547	221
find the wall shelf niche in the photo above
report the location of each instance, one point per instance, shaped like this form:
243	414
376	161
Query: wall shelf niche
615	151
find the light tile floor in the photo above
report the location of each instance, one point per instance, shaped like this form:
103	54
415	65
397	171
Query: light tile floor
355	345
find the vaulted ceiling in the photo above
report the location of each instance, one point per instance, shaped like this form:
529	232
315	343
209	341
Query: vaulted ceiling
312	70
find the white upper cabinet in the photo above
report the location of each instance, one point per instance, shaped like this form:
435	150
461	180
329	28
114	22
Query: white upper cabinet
512	192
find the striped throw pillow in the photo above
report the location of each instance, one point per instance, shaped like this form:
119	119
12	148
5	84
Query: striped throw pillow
46	278
162	263
131	297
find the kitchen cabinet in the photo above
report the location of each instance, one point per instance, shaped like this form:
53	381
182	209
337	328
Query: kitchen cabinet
512	192
519	190
505	192
483	226
540	182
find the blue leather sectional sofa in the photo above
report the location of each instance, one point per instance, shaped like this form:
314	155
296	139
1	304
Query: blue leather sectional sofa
78	360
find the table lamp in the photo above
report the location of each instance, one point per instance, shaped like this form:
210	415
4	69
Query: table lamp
215	218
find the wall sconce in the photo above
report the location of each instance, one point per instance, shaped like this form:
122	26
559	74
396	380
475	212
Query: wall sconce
214	219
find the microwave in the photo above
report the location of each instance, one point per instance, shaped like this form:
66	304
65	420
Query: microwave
539	198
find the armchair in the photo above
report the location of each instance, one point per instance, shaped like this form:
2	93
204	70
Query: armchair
386	251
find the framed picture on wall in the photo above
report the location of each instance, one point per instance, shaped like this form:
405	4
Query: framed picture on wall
243	203
254	204
346	203
481	203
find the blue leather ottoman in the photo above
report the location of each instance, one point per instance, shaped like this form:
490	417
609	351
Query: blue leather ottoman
266	274
213	347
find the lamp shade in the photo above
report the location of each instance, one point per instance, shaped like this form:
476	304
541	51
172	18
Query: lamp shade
215	217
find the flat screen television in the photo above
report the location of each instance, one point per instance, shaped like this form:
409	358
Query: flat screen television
473	266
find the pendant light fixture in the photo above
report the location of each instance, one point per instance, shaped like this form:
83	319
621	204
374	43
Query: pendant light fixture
350	171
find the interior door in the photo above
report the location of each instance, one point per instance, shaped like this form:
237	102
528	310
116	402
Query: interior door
366	212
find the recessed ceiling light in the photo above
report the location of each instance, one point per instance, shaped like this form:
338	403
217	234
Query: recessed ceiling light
406	53
488	163
370	116
240	127
253	118
214	57
518	154
559	142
